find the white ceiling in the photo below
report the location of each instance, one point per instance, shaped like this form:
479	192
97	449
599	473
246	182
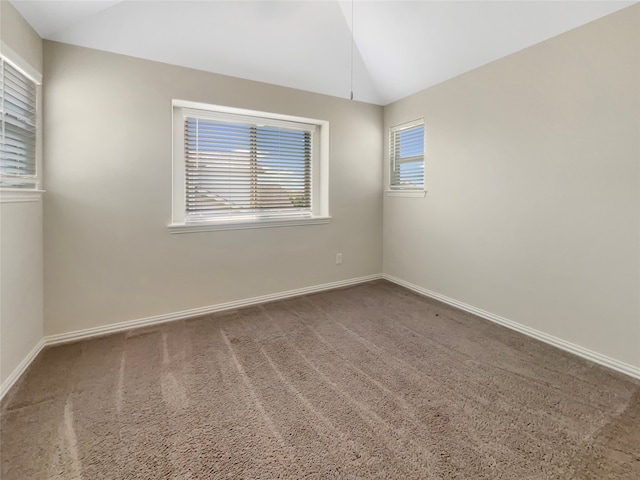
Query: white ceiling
401	47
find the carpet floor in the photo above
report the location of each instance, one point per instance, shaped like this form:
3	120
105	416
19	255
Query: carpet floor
369	382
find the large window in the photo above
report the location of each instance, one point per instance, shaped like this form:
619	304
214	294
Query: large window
239	168
407	157
18	128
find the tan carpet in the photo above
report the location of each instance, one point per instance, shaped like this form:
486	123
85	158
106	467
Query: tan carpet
366	382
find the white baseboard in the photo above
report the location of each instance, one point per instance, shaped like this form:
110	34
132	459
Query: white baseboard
195	312
168	317
21	368
596	357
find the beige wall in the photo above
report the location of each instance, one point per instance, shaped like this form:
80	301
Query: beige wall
533	177
18	35
20	232
20	281
108	254
533	210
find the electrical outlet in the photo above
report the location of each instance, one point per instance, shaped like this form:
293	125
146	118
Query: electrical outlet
338	258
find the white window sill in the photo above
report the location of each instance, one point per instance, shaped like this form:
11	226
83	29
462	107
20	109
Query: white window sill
245	224
14	195
406	193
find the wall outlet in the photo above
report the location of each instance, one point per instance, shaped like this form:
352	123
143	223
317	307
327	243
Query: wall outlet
338	258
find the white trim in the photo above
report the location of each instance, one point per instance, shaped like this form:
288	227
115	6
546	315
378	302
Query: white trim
168	317
244	224
20	64
196	312
406	193
392	159
319	158
21	368
213	113
20	195
15	60
404	126
245	112
583	352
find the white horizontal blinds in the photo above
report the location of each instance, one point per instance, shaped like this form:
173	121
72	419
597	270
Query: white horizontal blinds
246	169
407	157
18	128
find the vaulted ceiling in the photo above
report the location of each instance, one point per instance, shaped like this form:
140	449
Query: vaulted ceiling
400	47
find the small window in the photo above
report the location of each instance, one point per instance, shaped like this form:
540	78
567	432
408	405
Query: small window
18	128
407	157
235	167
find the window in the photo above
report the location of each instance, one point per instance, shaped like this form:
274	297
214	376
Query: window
18	128
241	169
406	153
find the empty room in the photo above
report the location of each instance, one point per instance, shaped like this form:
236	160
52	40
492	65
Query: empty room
320	239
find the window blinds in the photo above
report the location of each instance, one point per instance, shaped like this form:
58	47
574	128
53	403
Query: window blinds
246	169
407	157
17	128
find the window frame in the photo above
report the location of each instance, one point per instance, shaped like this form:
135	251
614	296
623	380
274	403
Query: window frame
319	159
398	190
16	194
